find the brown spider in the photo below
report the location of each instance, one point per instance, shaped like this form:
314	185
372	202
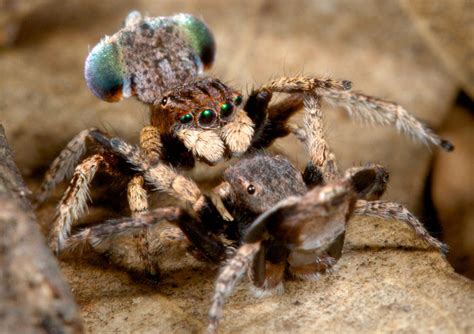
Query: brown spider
160	60
300	231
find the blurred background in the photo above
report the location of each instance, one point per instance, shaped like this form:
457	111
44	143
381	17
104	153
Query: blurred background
419	53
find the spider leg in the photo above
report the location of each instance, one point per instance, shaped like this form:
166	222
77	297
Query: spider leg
377	111
165	178
99	237
74	201
306	84
320	264
137	195
268	269
271	121
227	280
138	203
394	211
322	166
273	283
63	166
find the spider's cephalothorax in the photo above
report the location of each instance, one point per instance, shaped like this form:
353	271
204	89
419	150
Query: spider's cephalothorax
183	114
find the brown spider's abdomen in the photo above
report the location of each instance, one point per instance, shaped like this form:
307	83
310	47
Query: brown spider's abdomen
149	56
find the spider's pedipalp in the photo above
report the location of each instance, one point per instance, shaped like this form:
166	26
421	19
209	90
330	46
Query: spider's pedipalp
63	166
238	134
150	143
74	201
227	280
395	211
378	111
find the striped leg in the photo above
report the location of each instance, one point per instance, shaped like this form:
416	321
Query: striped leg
322	167
227	280
74	201
138	203
99	237
63	166
378	111
394	211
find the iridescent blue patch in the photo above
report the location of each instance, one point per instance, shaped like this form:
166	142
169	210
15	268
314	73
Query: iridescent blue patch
105	71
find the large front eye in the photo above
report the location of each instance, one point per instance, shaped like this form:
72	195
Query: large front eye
207	117
227	109
186	118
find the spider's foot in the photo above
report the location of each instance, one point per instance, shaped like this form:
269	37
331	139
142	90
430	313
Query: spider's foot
313	271
273	283
267	290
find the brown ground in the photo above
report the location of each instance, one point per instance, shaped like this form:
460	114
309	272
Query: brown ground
44	102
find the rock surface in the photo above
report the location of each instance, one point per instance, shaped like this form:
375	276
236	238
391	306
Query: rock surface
453	190
384	282
33	295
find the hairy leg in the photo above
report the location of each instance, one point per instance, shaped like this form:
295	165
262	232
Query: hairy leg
227	280
272	122
138	203
305	85
312	271
74	201
394	211
377	111
360	106
99	237
322	159
273	283
63	166
164	178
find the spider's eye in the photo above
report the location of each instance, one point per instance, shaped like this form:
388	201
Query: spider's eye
186	118
206	117
164	101
251	189
227	109
238	100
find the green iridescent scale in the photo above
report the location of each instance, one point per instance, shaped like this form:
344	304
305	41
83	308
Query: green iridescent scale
105	71
199	35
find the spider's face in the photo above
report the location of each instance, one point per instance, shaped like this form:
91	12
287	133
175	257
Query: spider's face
207	117
260	181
